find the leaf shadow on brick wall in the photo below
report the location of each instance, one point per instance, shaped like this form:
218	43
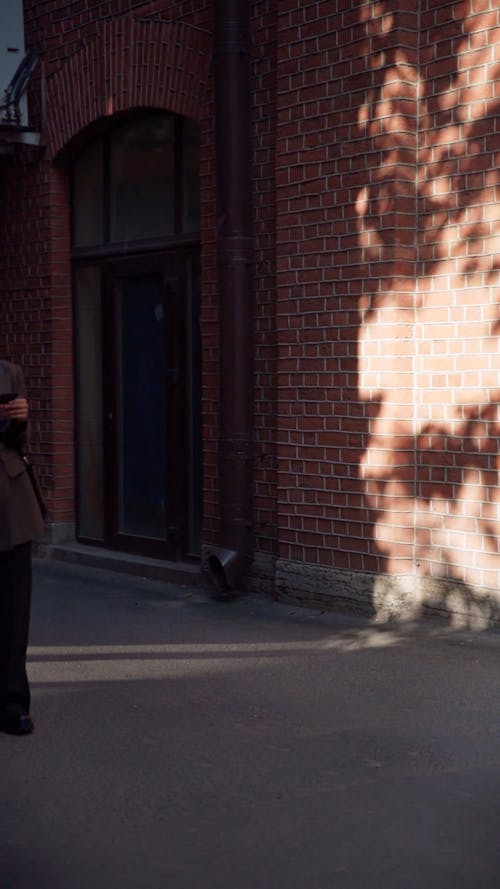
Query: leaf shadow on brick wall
429	235
452	477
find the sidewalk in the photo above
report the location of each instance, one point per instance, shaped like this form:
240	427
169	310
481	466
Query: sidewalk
184	743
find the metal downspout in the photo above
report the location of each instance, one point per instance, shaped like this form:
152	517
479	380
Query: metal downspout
228	562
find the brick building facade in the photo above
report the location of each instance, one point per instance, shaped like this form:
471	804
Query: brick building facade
374	176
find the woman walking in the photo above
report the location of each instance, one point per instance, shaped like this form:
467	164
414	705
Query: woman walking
21	522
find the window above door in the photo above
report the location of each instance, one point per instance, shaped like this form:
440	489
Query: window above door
138	182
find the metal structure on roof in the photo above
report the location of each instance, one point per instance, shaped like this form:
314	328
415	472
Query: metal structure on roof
10	110
12	130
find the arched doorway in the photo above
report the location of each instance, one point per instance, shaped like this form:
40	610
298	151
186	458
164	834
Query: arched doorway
136	284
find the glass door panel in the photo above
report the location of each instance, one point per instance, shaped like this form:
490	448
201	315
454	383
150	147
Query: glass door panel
87	206
141	430
142	200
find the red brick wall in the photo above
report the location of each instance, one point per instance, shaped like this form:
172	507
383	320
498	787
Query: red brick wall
386	220
376	228
346	139
432	471
264	23
387	299
25	247
457	306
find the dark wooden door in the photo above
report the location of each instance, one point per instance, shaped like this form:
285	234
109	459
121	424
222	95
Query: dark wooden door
146	381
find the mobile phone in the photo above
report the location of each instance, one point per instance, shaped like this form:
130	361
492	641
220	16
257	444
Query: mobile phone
5	397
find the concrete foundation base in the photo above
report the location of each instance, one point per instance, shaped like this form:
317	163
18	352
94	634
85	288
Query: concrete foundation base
383	597
58	532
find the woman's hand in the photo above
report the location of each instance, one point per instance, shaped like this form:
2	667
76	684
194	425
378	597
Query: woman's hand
17	409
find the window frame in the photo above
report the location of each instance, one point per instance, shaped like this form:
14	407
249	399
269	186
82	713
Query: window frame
112	249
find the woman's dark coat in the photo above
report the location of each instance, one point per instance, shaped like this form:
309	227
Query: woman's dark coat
20	517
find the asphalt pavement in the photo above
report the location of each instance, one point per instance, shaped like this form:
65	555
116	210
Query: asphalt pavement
184	743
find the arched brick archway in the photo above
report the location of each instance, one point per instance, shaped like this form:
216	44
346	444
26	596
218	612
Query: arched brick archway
132	63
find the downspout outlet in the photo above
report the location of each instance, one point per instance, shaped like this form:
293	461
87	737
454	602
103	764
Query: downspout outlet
225	568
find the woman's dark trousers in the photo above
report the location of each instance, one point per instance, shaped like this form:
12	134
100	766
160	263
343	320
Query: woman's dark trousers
15	601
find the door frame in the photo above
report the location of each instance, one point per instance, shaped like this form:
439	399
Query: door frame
97	248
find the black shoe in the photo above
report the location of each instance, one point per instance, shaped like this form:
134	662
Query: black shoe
17	724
